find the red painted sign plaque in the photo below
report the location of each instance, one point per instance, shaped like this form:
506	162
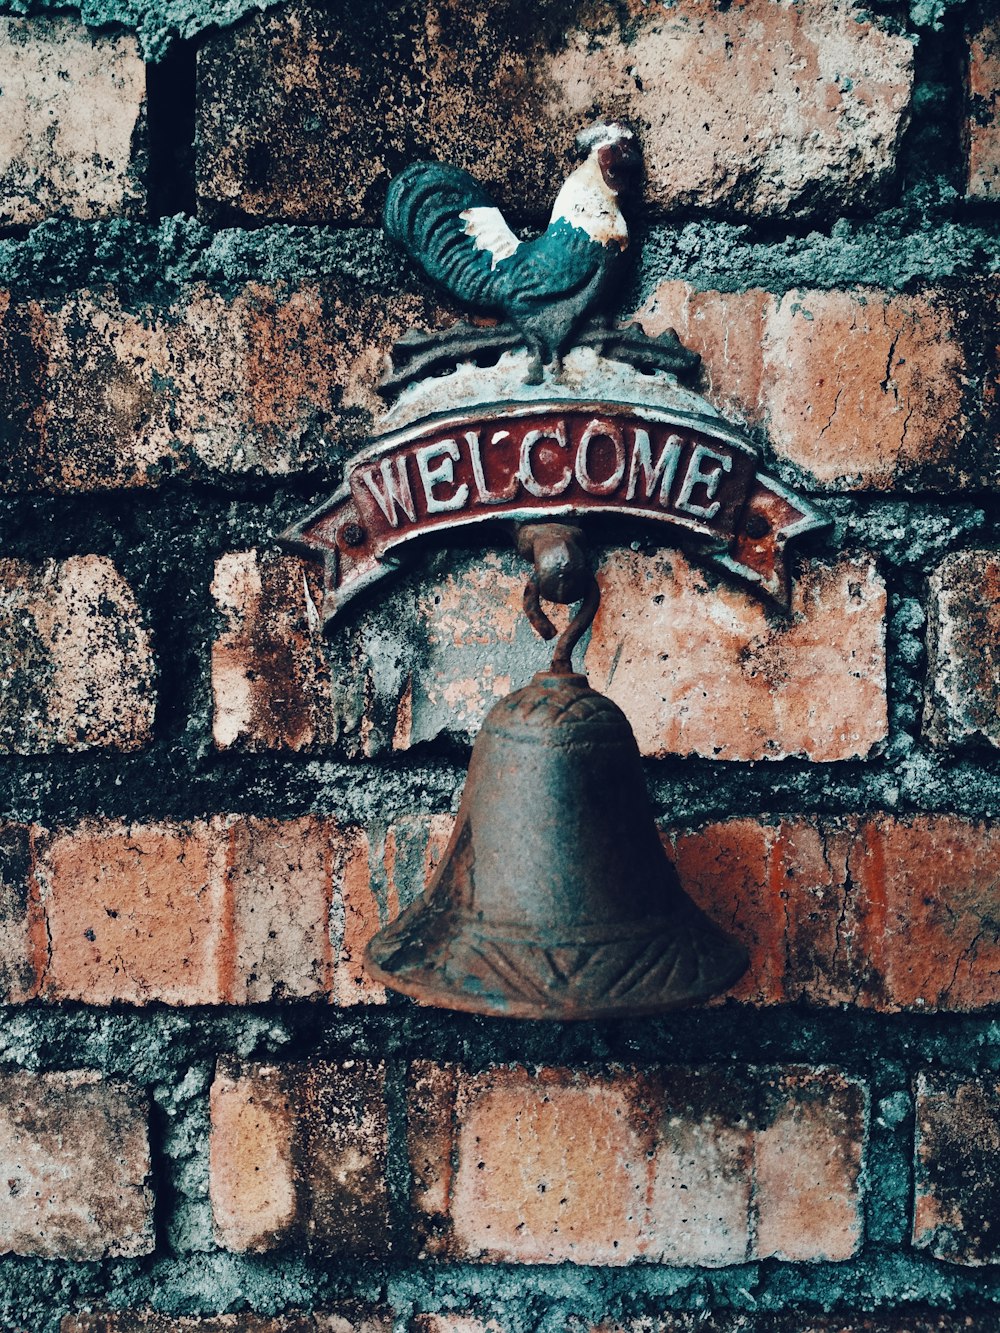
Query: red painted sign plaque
546	460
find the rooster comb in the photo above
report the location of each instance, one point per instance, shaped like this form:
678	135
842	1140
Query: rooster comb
601	133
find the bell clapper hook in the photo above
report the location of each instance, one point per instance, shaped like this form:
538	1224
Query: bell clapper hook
563	575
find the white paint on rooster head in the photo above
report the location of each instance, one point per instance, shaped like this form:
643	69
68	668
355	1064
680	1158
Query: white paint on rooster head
490	232
587	201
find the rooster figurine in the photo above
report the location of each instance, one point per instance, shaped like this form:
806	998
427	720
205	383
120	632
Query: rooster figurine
544	288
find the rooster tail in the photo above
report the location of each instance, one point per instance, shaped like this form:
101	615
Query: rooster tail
423	214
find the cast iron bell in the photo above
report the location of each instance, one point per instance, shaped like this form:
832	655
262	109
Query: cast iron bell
555	898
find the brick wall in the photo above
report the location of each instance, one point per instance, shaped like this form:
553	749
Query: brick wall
210	1118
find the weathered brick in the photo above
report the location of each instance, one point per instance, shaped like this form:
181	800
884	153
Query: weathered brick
298	1155
757	686
268	381
225	911
297	121
413	847
886	373
884	400
23	948
466	644
296	117
72	128
957	1183
280	879
76	665
982	125
727	330
76	1165
134	914
885	913
678	1167
705	87
963	697
705	669
253	1173
373	1320
270	675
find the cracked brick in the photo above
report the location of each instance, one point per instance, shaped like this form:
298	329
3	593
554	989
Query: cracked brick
857	390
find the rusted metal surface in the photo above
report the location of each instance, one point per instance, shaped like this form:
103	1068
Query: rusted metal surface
555	898
418	353
562	574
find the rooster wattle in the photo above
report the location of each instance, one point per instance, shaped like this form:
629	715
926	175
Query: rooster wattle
544	287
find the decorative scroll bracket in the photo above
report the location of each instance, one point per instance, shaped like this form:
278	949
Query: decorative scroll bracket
539	461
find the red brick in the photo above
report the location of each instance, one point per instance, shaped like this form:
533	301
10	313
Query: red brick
134	914
963	700
280	888
807	1168
373	1320
883	406
414	845
226	911
269	381
675	1167
73	131
956	1193
727	331
884	913
467	644
298	1155
23	947
76	1166
270	676
297	121
253	1173
886	373
704	87
983	121
705	669
888	914
76	669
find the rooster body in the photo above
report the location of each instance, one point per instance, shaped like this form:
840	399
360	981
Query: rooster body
544	287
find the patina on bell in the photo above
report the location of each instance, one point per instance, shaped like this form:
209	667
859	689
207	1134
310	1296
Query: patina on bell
555	898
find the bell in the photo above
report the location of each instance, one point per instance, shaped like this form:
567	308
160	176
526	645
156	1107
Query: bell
555	898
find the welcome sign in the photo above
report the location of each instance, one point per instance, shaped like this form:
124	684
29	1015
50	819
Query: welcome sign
545	460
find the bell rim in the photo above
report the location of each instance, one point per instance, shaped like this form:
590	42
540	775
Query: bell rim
443	997
426	985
